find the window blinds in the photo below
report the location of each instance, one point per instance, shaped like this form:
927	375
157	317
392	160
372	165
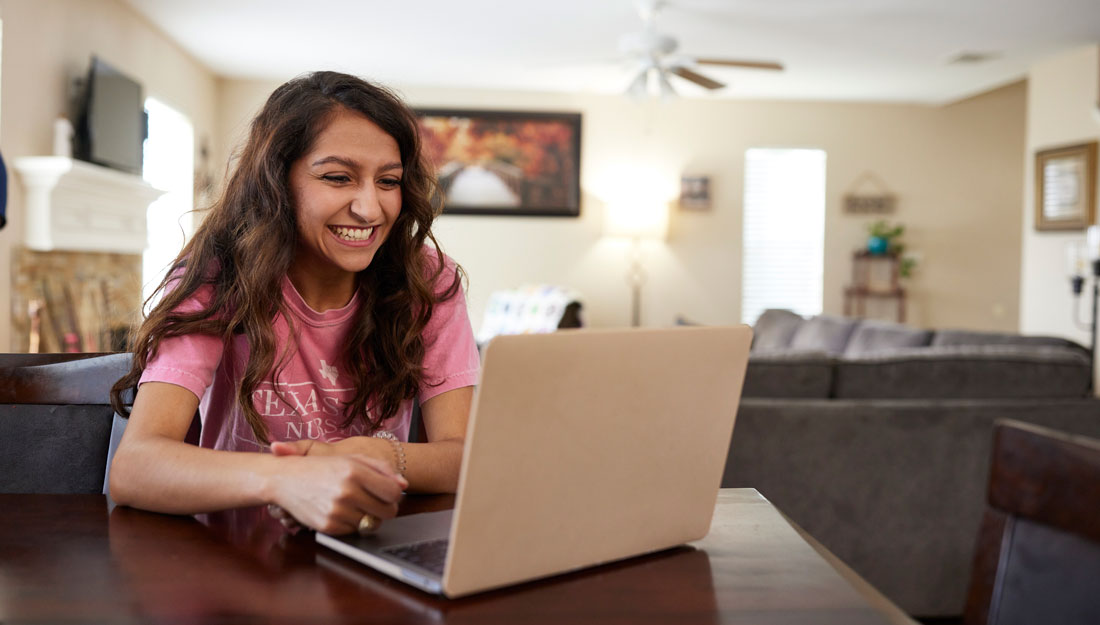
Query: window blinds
784	231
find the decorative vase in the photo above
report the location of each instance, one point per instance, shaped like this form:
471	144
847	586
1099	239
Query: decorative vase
877	245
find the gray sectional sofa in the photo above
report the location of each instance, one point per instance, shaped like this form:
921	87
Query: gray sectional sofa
875	438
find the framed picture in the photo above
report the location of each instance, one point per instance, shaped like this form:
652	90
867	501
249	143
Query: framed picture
695	193
1065	187
505	162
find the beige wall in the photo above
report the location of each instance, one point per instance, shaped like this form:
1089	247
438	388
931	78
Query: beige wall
1061	110
45	43
956	169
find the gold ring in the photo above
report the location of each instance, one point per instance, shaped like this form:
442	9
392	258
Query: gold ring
368	524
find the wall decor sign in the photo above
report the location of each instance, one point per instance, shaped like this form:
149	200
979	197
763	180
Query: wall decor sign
1065	187
869	204
868	195
505	162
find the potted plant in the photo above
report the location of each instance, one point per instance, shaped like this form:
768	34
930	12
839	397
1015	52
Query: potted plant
885	239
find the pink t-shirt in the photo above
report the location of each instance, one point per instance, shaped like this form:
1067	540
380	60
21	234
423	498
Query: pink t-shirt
311	390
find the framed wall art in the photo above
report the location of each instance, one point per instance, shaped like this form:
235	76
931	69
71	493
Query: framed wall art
1065	187
505	162
695	193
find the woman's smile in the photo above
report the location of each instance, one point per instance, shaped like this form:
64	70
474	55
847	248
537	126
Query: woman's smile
351	234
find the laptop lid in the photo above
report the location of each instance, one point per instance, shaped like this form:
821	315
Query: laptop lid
587	446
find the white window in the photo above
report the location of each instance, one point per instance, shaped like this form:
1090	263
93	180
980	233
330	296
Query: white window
783	243
169	166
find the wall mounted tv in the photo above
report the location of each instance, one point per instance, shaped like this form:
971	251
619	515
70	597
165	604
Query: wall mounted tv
111	122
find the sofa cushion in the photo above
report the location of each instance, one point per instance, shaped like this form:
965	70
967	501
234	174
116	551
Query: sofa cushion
791	375
773	330
965	372
872	337
944	338
824	333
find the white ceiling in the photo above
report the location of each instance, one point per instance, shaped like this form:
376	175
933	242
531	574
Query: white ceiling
885	50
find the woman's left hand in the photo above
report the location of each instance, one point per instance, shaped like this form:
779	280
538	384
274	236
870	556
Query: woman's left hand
304	447
310	447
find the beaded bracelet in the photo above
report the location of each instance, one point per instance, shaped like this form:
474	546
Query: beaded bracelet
398	449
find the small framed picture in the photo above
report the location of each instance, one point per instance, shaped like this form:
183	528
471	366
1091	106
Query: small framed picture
1065	187
695	193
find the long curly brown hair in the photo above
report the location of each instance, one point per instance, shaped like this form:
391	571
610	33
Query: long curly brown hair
245	246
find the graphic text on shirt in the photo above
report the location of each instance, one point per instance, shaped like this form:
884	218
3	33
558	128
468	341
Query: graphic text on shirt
305	409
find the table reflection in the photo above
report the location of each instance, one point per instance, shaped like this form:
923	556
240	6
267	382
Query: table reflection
631	591
244	563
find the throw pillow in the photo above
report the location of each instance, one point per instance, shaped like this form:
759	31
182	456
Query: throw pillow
824	333
875	337
773	330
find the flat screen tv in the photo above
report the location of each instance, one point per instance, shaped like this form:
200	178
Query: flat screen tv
111	123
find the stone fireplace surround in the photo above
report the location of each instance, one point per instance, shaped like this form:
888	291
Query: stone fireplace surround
77	280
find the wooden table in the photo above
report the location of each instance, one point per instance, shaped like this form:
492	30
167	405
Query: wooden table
74	558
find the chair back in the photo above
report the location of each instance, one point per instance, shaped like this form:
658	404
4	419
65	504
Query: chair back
1038	552
56	420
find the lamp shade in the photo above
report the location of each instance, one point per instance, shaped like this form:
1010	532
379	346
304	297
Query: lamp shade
637	220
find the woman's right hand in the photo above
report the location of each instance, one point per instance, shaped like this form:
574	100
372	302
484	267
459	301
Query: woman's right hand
332	493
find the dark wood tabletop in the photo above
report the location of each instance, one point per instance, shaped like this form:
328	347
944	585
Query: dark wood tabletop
77	559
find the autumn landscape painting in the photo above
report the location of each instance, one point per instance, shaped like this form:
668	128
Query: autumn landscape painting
505	163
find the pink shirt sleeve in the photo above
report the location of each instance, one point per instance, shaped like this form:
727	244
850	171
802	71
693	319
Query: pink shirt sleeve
451	358
189	360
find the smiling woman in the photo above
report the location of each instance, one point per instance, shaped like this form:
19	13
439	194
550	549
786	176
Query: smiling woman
302	320
347	196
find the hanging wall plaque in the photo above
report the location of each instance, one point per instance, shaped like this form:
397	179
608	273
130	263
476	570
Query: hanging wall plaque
869	196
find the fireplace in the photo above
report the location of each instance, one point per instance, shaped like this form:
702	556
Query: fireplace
66	301
77	282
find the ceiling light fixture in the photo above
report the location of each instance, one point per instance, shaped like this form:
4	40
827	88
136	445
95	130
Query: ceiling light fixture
971	58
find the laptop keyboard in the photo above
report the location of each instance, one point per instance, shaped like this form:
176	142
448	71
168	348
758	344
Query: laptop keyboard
430	554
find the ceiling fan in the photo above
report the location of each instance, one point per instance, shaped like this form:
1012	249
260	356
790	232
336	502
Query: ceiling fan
655	55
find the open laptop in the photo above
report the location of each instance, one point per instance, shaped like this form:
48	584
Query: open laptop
583	447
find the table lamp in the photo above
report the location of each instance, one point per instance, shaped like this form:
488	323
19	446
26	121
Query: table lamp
636	221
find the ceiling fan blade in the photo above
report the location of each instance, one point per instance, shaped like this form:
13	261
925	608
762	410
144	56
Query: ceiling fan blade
665	87
696	78
748	64
639	87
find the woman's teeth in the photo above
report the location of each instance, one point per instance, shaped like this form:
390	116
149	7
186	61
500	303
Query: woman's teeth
353	234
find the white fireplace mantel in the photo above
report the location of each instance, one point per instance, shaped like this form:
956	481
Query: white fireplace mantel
74	205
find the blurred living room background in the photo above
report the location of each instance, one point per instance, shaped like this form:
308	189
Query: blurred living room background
939	109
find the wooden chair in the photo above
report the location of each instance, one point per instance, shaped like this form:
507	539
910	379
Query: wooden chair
56	421
1038	552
